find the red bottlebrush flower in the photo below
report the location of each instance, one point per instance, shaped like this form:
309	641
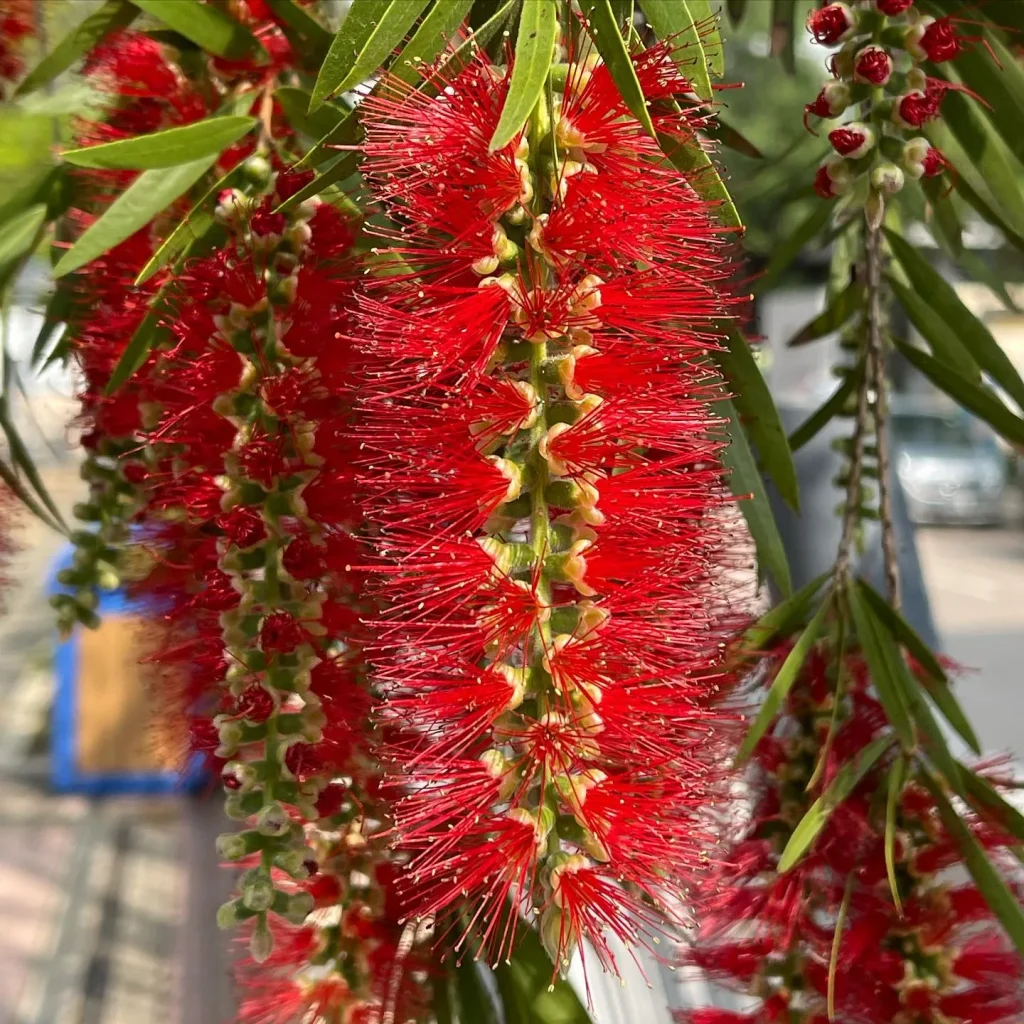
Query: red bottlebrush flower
943	958
921	159
516	383
934	39
831	24
913	109
893	8
16	24
853	140
872	65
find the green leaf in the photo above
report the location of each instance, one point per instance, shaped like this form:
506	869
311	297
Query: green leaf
341	167
525	984
441	1005
789	249
688	156
943	223
966	328
206	26
873	644
989	803
728	136
474	1003
20	235
830	408
997	893
897	774
346	133
736	9
304	25
59	307
760	418
113	16
150	194
810	825
936	331
604	30
433	34
783	683
480	37
370	31
322	122
17	487
987	155
978	399
937	683
782	619
679	20
783	34
837	938
706	17
848	302
167	148
137	349
193	225
745	482
535	45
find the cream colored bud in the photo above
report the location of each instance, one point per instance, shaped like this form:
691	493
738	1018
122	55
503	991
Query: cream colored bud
557	467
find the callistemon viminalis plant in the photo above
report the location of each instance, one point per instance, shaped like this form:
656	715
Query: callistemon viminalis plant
146	90
880	73
879	923
540	465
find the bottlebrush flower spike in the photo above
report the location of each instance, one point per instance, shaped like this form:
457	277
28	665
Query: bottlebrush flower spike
539	457
939	958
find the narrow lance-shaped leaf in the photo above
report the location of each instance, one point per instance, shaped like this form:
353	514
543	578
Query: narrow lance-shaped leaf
837	939
840	310
150	194
295	104
21	234
782	617
990	804
753	402
972	334
937	684
888	688
783	682
207	26
20	457
167	148
978	399
680	21
936	331
431	37
722	132
810	825
535	44
303	24
829	409
992	886
745	482
111	17
897	774
604	29
371	27
784	33
690	157
341	167
194	225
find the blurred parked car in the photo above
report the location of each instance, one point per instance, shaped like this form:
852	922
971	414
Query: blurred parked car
950	465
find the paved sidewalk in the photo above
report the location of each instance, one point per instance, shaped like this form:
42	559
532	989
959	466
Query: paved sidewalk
107	904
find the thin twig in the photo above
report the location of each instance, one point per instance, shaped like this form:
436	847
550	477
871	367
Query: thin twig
851	507
875	326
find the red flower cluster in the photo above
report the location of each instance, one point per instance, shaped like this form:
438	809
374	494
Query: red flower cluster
939	958
16	24
540	461
864	64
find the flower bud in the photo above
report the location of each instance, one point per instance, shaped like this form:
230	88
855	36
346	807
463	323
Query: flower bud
261	942
232	846
258	894
892	8
933	40
832	24
833	178
921	159
853	140
913	109
887	178
872	65
273	820
230	914
300	906
833	99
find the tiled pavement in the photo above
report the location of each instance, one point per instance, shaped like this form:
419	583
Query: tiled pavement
104	904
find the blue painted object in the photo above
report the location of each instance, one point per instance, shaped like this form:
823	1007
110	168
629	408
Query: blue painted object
65	773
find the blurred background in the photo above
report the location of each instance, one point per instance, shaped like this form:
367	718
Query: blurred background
107	916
